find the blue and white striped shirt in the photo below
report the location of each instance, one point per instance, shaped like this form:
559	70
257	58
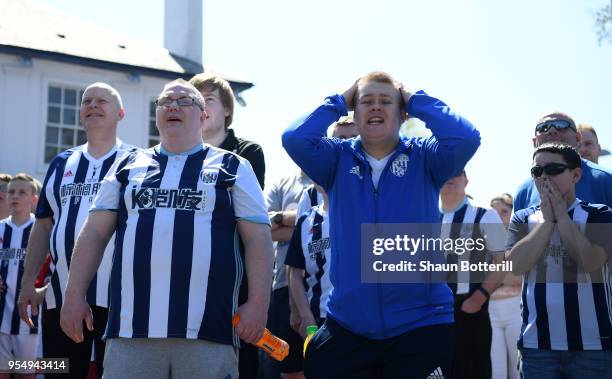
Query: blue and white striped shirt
176	267
310	250
13	250
71	183
561	312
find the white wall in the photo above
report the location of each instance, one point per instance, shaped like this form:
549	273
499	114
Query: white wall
23	107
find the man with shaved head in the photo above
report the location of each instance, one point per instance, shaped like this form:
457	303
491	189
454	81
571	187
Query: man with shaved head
595	185
71	183
176	209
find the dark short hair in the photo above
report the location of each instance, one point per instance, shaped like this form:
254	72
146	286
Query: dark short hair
5	177
569	154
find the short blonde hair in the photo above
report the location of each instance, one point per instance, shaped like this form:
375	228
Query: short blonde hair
504	198
34	184
588	128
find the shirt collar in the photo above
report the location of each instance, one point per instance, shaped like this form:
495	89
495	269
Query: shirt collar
459	206
193	150
230	141
576	202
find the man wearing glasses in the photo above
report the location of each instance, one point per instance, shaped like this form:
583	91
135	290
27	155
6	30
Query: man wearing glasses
176	209
595	185
562	248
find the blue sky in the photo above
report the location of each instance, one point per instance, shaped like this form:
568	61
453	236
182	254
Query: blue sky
500	64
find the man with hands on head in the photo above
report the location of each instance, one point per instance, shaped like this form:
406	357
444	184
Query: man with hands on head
563	255
377	329
176	209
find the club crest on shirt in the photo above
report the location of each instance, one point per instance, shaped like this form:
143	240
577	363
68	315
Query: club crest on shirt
355	170
209	176
400	165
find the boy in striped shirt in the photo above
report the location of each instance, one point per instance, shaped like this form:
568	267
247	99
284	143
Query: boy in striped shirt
17	339
564	258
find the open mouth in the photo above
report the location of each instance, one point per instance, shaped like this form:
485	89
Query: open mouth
91	115
375	120
174	118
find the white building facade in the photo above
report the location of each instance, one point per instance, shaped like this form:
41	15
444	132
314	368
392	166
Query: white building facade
45	66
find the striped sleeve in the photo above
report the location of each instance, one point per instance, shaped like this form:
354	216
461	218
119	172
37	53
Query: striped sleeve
518	228
44	209
248	200
295	253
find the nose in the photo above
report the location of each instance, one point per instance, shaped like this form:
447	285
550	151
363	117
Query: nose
173	105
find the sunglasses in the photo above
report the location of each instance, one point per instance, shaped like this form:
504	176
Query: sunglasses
550	169
545	126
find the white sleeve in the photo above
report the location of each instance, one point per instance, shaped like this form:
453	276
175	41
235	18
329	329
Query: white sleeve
108	195
494	231
303	205
247	196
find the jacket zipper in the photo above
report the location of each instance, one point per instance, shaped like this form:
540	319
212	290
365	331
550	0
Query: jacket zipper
378	284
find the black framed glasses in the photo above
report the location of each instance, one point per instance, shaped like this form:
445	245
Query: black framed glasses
545	126
550	169
188	101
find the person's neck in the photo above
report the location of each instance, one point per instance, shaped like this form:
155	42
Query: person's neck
98	145
379	151
179	148
215	138
451	201
20	218
4	213
325	203
569	200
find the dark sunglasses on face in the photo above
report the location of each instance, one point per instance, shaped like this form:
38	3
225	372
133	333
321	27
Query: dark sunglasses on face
545	126
550	169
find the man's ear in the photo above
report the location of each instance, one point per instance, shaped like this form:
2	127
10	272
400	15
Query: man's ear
121	114
535	142
577	174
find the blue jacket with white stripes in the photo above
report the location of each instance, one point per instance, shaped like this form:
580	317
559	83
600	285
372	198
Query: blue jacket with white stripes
407	192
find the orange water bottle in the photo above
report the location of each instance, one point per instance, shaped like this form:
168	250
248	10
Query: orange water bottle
271	344
310	331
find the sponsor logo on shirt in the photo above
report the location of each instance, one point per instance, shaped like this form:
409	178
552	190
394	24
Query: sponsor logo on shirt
436	374
68	174
318	247
182	199
13	253
400	165
76	191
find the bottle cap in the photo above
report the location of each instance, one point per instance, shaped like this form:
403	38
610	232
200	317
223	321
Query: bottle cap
311	329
